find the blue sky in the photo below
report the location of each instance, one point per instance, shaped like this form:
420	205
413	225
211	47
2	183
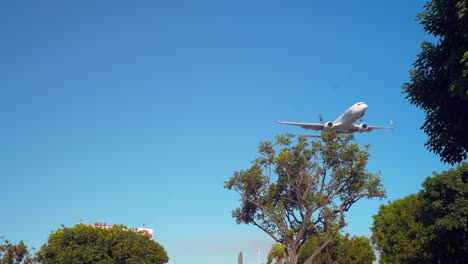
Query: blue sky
136	113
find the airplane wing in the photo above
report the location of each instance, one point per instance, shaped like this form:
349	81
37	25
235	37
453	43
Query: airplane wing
379	127
370	128
313	126
366	128
312	136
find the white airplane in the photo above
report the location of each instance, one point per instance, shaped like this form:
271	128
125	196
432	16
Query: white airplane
344	124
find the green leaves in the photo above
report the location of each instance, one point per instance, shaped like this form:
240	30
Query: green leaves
428	227
446	213
398	233
439	81
277	254
15	254
88	244
342	249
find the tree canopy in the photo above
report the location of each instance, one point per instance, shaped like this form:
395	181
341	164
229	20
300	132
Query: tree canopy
15	253
439	81
343	249
294	191
398	232
88	244
428	227
445	214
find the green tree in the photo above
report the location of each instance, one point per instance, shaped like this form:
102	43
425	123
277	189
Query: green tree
428	227
87	244
295	191
343	249
15	253
357	250
398	232
439	80
277	254
446	214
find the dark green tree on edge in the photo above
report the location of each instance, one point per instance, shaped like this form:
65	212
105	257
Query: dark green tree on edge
295	191
446	214
87	244
439	80
428	227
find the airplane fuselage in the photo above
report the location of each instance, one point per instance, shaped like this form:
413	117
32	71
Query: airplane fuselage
349	117
345	123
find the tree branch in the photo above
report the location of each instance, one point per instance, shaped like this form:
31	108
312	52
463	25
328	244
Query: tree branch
318	250
266	231
281	226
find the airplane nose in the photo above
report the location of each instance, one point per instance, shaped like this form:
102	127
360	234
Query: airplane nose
364	107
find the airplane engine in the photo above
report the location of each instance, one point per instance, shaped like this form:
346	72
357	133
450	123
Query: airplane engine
327	126
363	127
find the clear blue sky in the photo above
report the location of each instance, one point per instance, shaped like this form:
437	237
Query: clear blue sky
136	112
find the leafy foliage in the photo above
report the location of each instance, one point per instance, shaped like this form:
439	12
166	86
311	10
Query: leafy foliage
294	191
277	254
428	227
446	214
15	254
343	249
87	244
439	80
398	232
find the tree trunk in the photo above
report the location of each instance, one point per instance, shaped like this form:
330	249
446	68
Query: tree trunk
292	254
293	258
